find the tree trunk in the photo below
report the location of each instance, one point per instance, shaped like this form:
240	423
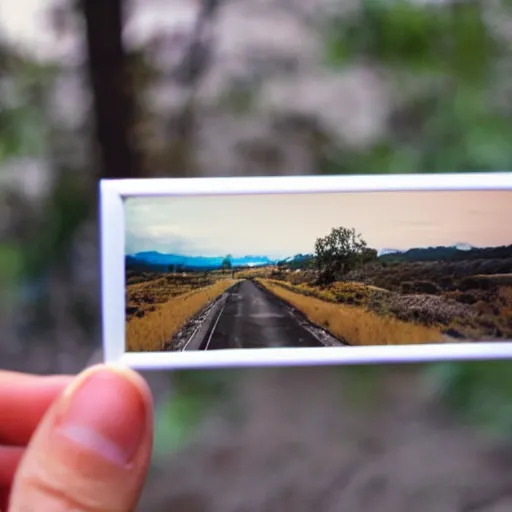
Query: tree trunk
114	104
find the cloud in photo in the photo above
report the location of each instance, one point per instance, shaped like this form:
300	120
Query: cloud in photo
281	225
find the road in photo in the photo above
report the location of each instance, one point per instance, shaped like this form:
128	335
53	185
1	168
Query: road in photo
252	317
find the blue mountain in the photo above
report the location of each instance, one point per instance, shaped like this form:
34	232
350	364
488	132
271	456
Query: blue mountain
159	261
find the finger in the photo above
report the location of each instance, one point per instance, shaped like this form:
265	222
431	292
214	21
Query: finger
92	449
23	401
4	499
10	457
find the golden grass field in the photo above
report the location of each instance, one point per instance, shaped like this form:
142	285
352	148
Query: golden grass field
349	293
473	307
178	304
353	323
143	296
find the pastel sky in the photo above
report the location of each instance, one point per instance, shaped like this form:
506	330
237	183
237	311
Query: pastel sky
284	225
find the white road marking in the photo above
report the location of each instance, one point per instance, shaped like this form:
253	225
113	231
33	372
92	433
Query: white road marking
214	327
191	336
199	325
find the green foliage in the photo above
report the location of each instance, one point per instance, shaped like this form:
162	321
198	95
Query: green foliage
459	132
194	394
9	261
477	392
397	32
381	158
22	100
66	209
340	251
465	134
18	129
176	421
10	268
450	127
361	383
402	33
480	392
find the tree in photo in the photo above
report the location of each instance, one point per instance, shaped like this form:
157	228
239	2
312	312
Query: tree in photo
226	263
369	255
340	251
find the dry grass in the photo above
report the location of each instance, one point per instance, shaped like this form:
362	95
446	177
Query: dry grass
505	296
505	279
429	309
475	305
262	272
505	305
492	310
144	296
150	332
355	324
351	293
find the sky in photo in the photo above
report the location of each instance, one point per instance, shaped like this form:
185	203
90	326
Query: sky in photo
283	225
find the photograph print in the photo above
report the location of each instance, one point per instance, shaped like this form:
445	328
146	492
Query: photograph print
317	270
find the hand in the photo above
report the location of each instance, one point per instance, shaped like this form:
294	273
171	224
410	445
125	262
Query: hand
79	443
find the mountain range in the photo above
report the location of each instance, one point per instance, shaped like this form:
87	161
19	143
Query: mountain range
158	262
461	246
457	252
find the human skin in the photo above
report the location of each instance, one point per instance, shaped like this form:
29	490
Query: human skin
74	443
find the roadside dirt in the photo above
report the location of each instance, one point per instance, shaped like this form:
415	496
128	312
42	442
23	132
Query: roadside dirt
295	439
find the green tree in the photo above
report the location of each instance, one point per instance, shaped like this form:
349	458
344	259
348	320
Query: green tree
341	250
369	255
226	263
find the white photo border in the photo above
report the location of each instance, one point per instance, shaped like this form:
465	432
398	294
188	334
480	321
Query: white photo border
112	240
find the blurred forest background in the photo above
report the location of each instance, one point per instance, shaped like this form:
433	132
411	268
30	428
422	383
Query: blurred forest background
140	88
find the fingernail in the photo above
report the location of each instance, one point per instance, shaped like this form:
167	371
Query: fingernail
106	414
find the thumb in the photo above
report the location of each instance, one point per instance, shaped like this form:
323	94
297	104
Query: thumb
92	449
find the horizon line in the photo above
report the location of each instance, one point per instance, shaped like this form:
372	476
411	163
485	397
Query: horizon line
392	249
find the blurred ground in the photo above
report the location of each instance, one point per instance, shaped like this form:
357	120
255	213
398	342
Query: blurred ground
299	439
260	87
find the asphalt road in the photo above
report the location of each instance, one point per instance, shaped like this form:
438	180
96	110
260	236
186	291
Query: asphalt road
254	318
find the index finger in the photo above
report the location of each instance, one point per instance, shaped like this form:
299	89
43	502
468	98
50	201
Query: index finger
24	400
